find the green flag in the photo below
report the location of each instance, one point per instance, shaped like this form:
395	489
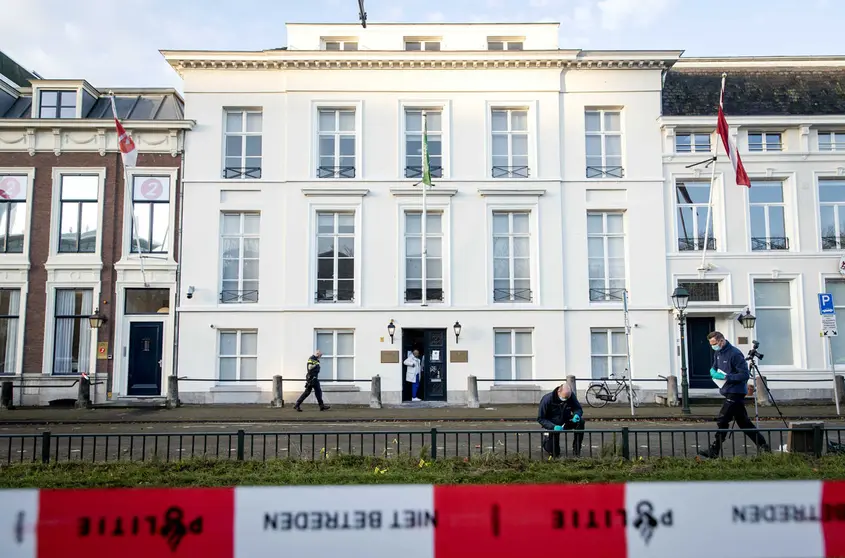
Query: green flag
426	165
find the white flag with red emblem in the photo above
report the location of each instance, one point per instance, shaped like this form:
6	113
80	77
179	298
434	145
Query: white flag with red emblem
124	142
727	141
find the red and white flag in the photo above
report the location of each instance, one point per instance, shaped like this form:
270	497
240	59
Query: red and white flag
727	141
124	142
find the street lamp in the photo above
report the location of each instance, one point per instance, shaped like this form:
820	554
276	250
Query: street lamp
680	298
747	320
391	329
96	320
457	328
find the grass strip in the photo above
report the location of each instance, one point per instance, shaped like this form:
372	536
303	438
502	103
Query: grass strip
370	470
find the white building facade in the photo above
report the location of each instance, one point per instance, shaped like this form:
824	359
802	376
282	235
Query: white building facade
302	220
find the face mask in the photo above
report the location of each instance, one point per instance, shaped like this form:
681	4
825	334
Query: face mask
716	347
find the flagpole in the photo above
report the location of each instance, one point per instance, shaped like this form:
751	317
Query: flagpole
424	227
712	182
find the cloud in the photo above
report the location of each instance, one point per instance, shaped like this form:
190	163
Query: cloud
616	14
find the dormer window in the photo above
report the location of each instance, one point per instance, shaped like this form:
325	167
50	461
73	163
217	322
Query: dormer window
422	44
341	45
504	44
57	104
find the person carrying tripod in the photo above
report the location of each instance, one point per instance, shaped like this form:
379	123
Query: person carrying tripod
729	364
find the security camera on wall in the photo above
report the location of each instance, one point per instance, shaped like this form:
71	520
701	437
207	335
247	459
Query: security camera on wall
190	293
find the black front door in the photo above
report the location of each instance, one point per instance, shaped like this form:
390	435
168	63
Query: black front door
145	344
699	353
431	343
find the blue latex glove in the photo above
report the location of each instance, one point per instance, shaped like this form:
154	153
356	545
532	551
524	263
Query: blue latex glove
576	418
558	428
717	375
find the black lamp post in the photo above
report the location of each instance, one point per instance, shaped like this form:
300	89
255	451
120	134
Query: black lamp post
457	328
96	320
391	329
747	320
680	298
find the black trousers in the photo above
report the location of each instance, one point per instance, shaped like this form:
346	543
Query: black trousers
551	442
734	409
314	386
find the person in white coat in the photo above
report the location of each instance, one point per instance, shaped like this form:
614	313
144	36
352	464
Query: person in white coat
412	373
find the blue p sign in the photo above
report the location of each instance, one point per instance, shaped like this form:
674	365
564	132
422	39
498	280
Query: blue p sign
826	304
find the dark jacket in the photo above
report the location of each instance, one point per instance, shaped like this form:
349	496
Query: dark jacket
731	361
312	369
555	412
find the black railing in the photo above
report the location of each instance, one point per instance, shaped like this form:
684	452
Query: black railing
770	243
335	172
624	443
511	172
833	242
417	172
686	244
242	172
415	295
231	297
607	295
605	172
512	295
341	295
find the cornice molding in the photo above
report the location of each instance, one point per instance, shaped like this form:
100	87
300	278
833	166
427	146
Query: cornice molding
79	124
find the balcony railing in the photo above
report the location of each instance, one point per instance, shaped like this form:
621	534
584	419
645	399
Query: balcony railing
341	295
234	297
607	295
605	172
417	172
512	295
431	295
770	243
511	172
687	244
830	242
335	172
242	172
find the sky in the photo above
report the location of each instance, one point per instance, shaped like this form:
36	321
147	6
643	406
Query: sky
116	43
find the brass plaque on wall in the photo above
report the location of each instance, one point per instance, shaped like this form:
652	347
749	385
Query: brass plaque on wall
459	356
103	350
390	357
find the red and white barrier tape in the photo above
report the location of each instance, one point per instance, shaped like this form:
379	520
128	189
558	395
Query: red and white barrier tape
803	519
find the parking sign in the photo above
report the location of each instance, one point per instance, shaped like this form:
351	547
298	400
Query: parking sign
826	304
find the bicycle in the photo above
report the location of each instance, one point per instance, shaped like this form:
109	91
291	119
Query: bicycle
600	393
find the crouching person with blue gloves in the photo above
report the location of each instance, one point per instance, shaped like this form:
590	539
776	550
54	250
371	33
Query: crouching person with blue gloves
560	410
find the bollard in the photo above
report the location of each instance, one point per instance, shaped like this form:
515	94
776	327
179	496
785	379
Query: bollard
840	388
672	391
762	392
472	392
83	396
6	393
571	381
172	393
375	392
278	394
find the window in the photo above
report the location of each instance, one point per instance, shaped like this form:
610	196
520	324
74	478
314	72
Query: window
692	199
57	104
72	345
511	257
832	213
335	257
151	208
422	45
238	358
606	249
773	306
608	353
701	291
836	287
504	45
604	143
147	301
765	141
79	213
510	143
413	142
768	225
337	143
239	257
433	260
243	144
341	45
12	213
10	307
692	143
513	354
338	360
832	141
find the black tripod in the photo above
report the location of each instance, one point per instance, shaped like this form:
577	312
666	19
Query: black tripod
752	357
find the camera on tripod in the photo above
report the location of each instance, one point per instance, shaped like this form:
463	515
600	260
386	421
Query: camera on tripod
754	353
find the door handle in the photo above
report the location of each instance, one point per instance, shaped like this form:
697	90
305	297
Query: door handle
159	363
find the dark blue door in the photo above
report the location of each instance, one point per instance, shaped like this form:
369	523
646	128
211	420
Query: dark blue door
145	340
434	365
699	352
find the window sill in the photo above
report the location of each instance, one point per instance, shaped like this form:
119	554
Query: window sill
235	388
80	261
514	386
336	388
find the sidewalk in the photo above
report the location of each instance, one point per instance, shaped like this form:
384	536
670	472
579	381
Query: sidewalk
339	414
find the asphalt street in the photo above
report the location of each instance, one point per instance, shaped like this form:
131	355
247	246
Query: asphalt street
167	442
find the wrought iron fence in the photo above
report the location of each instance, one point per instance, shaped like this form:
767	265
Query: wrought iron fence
622	443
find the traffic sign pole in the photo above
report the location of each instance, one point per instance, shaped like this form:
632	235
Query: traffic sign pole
827	311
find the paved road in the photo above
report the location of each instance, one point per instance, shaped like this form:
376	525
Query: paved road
110	442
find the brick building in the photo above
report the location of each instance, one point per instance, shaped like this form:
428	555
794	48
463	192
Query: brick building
68	255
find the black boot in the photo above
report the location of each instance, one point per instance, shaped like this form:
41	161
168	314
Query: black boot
325	407
712	452
297	408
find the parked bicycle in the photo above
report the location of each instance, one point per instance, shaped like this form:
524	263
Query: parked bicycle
600	393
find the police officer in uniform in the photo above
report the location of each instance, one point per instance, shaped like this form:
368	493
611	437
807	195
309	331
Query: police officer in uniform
312	382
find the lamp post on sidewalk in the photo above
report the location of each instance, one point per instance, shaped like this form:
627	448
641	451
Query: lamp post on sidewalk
680	298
